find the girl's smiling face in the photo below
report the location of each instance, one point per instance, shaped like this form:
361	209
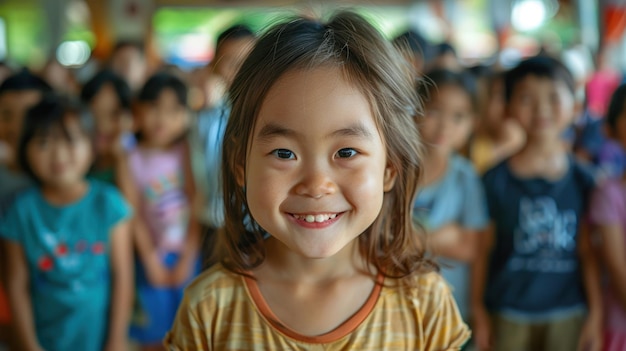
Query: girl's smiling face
316	170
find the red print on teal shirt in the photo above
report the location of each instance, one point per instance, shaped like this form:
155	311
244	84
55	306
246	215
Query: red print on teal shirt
61	250
45	263
97	248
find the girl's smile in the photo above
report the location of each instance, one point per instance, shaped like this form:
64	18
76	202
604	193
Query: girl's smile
320	220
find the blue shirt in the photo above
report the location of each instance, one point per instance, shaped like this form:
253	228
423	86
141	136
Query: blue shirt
207	139
534	269
457	197
67	255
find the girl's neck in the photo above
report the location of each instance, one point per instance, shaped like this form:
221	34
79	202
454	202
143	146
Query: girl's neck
285	265
64	195
435	165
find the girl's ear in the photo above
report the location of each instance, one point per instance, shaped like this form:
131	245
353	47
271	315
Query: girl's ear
389	178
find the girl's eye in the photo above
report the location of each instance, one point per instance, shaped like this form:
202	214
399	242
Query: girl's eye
346	153
284	154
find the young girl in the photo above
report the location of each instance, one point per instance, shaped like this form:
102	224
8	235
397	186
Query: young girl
321	161
68	245
108	97
158	183
451	203
608	212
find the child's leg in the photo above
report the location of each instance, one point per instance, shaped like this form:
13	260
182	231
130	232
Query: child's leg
563	334
509	335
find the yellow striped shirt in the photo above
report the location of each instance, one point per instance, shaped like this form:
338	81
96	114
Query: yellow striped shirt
225	311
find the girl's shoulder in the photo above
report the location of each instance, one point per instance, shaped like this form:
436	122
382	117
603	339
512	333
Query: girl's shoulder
429	297
215	287
425	286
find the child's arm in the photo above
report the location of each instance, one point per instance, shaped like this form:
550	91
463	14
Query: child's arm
184	268
478	281
156	273
122	286
591	336
19	293
613	251
455	242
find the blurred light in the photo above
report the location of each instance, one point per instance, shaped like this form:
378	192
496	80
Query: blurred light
73	53
528	15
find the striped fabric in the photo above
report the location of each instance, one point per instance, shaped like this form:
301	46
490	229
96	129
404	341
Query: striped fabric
225	311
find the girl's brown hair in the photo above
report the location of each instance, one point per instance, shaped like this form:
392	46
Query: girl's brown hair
370	62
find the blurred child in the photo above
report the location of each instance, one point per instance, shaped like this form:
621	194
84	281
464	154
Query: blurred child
207	135
321	162
535	278
451	202
608	213
18	93
68	245
496	137
128	59
158	183
109	98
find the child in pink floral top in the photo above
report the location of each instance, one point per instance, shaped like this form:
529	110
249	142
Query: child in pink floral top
608	213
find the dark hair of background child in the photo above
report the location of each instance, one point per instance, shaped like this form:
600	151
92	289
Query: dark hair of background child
23	81
237	31
539	66
438	78
616	107
101	79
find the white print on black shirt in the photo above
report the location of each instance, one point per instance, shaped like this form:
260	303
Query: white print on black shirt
545	239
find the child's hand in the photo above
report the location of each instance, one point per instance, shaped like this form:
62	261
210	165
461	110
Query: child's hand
591	335
156	272
182	271
482	329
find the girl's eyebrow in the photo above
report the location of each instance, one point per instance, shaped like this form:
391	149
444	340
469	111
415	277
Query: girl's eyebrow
272	130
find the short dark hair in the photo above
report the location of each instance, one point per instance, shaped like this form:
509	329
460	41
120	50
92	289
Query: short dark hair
24	80
442	77
616	107
415	42
237	31
444	48
49	113
539	66
155	85
102	78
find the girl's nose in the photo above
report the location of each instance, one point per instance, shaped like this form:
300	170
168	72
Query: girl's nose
316	183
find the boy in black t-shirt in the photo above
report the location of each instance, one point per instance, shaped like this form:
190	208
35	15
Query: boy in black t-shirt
535	284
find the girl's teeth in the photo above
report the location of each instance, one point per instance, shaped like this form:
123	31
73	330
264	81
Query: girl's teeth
317	218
